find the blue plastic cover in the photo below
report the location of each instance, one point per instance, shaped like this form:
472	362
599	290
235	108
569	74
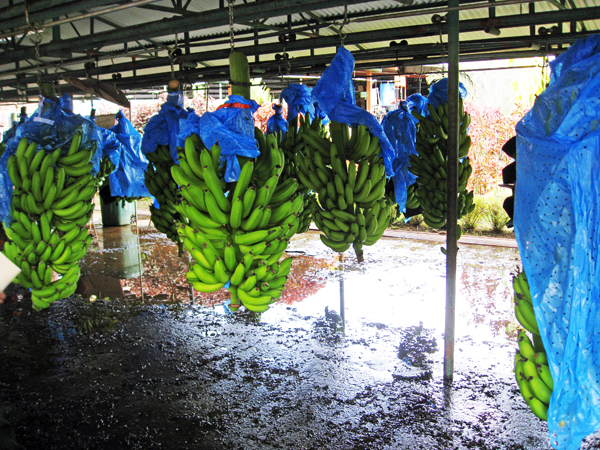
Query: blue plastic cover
419	102
276	122
334	93
438	93
50	127
111	146
66	103
557	226
401	131
128	179
232	126
299	100
10	133
163	128
319	113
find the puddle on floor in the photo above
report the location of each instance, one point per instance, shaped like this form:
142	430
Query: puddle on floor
362	370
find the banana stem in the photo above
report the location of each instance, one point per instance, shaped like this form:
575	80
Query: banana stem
359	253
235	300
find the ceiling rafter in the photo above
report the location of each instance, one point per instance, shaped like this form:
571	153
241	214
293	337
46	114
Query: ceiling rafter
190	22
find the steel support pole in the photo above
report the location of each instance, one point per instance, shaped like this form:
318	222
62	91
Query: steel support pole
452	210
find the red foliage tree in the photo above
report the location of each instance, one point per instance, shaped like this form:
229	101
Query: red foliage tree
261	116
489	130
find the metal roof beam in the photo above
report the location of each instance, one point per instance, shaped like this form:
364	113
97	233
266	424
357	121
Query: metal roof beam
165	9
359	38
196	21
157	81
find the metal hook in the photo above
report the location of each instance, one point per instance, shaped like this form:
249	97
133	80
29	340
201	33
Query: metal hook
37	42
231	35
346	21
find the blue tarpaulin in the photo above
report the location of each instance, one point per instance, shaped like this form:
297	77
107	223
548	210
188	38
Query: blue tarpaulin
128	179
232	127
163	128
334	94
276	122
557	226
401	131
299	100
50	127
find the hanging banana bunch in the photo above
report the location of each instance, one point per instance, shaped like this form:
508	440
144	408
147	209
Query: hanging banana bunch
349	178
161	185
51	206
531	363
106	168
412	202
293	141
237	232
430	166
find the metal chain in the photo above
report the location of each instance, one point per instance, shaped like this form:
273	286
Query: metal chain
171	59
344	23
37	42
231	36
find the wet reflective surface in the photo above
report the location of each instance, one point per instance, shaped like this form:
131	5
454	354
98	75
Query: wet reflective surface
314	372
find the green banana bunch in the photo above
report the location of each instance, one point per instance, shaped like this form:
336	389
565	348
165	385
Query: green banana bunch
308	134
348	176
106	168
237	232
161	185
533	376
531	363
412	202
51	205
430	165
523	305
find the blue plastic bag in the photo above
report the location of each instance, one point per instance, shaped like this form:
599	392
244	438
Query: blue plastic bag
276	122
163	128
401	131
232	126
334	93
50	127
319	113
299	100
438	93
127	180
10	133
111	146
557	226
418	102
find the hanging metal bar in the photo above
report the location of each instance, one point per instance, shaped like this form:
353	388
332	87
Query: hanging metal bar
452	170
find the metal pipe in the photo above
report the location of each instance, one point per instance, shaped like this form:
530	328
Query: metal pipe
342	295
452	170
137	226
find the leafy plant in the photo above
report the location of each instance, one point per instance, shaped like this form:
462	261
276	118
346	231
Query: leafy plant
259	92
498	219
473	220
494	212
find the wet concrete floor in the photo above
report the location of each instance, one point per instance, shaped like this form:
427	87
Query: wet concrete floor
166	373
